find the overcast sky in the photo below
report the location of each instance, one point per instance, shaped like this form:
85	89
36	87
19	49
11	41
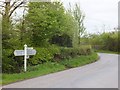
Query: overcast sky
100	14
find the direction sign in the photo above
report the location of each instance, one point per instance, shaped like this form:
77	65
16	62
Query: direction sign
31	51
26	53
22	52
19	53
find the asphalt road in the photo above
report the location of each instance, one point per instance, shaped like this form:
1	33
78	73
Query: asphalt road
101	74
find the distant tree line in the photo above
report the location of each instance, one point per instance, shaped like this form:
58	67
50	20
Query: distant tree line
109	41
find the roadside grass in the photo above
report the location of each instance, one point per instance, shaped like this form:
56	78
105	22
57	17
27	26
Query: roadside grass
39	70
49	67
80	61
105	51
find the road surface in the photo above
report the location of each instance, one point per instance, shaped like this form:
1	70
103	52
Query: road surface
101	74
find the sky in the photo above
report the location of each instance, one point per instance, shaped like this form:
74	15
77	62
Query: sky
100	15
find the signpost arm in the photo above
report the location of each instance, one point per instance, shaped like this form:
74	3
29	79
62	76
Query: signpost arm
25	58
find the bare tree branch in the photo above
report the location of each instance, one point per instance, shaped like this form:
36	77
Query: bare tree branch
15	8
12	5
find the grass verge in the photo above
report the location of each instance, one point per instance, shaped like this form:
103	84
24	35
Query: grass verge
80	61
38	70
49	67
105	51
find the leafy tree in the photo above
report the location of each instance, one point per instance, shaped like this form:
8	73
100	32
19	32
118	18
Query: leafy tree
62	40
71	28
45	19
79	17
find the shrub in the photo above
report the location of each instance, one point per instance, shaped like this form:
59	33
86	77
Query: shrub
67	53
63	40
106	41
44	55
9	63
84	50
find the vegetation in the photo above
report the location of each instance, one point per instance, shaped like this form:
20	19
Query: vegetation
49	67
105	41
80	60
57	34
47	27
105	51
79	17
7	9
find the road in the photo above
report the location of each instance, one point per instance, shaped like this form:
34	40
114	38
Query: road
101	74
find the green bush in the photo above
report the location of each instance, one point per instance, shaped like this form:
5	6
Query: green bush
44	55
84	50
9	63
106	41
67	53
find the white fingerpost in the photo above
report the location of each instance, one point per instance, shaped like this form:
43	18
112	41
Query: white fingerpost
25	58
28	51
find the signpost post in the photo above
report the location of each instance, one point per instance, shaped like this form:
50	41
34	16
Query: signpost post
25	57
26	53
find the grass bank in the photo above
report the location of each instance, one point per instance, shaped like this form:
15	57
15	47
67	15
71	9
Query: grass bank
105	51
49	67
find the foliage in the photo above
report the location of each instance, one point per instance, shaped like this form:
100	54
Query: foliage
79	17
67	53
55	53
33	71
62	40
44	20
9	36
80	61
10	64
44	24
7	8
106	51
44	55
105	41
111	41
49	67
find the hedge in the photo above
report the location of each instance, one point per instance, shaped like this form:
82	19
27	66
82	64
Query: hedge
12	64
55	53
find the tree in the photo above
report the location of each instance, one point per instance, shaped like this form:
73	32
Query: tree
45	19
62	40
7	8
79	17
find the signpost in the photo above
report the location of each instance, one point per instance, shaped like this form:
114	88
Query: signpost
26	53
19	52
